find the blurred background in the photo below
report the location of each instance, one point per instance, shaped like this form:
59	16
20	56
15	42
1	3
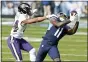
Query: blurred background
9	8
72	48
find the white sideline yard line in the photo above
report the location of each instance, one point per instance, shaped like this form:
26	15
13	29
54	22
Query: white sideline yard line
81	33
35	39
60	54
27	38
40	39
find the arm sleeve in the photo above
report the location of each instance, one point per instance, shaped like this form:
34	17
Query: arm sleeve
22	18
66	28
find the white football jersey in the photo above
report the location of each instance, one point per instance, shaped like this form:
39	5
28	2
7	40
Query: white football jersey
18	27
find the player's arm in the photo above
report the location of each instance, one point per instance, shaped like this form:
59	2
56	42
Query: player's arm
34	20
74	29
59	24
59	20
73	17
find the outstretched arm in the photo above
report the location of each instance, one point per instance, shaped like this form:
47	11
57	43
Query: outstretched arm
34	20
74	29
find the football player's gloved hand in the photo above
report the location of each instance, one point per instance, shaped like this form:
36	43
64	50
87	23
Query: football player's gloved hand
34	11
73	16
49	16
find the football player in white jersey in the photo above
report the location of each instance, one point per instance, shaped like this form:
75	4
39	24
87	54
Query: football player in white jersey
15	41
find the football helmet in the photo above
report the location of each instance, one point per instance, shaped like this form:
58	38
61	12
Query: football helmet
62	16
24	8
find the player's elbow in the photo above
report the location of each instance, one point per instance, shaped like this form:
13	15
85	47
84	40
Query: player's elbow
71	32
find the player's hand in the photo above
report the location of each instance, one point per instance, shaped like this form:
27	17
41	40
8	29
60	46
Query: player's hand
73	16
34	11
49	16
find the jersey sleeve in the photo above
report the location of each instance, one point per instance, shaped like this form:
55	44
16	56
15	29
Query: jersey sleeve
22	18
67	28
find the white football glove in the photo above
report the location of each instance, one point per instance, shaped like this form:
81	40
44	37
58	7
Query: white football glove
49	16
73	16
34	11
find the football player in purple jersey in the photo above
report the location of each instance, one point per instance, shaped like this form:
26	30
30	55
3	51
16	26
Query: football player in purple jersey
15	41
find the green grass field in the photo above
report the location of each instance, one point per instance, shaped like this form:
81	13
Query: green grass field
72	48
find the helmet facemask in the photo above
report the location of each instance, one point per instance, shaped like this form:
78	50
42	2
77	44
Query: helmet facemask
62	16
